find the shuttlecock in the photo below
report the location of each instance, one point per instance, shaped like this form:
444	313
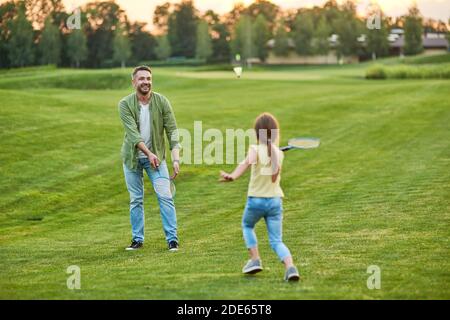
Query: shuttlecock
238	71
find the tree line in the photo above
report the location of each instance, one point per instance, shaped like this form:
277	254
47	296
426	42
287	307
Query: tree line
36	32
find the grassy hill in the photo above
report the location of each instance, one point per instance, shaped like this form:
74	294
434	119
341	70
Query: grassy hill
375	193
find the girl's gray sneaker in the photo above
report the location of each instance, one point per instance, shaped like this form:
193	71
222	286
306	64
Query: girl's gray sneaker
292	274
252	266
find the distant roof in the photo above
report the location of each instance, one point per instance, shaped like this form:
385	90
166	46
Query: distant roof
399	42
397	31
428	43
271	43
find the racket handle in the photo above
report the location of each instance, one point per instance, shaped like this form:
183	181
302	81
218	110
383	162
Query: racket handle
287	148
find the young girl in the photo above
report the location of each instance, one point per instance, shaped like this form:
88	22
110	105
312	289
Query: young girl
264	195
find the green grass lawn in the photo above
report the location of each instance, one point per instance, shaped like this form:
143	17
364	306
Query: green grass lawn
376	192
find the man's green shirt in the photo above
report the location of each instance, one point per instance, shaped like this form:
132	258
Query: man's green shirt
163	119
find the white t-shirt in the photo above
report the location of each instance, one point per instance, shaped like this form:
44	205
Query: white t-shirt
145	127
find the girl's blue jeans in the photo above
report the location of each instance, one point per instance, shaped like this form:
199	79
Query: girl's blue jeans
271	209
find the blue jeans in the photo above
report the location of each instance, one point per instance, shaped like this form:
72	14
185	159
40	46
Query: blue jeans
135	186
271	209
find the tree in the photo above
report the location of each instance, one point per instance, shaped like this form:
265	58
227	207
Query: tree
203	49
321	43
103	18
261	34
289	17
69	22
243	39
413	31
142	43
432	25
348	29
331	11
441	27
303	34
163	49
220	42
219	36
233	17
182	30
448	34
38	11
50	44
266	8
77	47
211	18
122	50
377	39
20	44
161	17
281	45
8	11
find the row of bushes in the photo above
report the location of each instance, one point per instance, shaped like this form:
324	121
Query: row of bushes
441	71
79	80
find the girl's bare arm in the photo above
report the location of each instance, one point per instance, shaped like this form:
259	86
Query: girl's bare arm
240	169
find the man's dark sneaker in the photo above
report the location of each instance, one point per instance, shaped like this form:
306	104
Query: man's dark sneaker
135	245
173	246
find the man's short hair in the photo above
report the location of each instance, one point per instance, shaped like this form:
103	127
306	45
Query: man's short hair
140	68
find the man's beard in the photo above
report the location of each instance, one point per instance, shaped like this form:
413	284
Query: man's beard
142	90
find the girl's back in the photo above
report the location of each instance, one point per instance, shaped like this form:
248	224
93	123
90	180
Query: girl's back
261	184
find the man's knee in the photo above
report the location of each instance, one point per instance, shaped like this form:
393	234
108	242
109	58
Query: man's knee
136	201
162	189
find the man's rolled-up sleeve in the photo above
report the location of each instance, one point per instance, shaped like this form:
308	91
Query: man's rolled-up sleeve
129	124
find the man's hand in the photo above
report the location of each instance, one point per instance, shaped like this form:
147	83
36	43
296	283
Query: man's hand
225	177
176	169
154	161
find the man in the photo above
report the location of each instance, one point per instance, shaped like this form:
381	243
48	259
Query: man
146	115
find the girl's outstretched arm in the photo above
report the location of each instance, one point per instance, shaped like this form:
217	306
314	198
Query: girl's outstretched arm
240	169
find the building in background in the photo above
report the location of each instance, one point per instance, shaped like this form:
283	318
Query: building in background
294	58
433	43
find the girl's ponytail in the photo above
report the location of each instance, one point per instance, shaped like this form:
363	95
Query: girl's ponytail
267	130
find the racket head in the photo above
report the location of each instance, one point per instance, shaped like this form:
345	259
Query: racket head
304	143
